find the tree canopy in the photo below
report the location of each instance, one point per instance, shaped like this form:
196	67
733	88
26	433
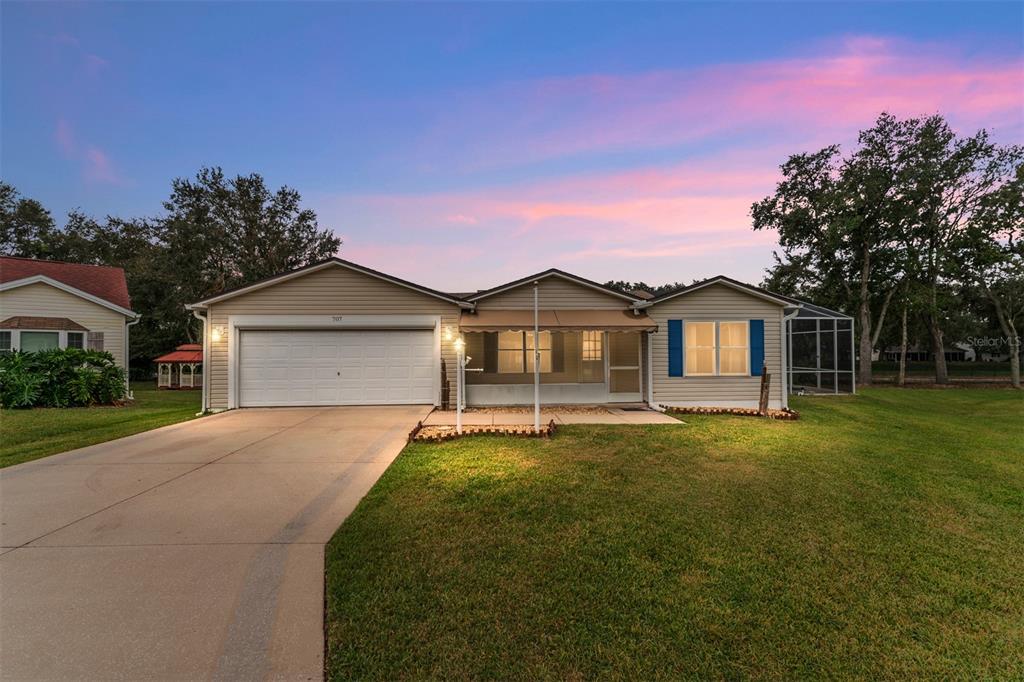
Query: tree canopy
215	233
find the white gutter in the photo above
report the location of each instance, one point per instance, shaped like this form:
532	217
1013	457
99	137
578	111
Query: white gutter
786	343
202	318
127	359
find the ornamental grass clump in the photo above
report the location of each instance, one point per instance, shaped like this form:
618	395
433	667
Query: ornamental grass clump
69	377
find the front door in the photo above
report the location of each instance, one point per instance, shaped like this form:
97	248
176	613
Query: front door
624	366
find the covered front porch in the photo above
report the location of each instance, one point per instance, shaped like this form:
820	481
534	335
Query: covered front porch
587	357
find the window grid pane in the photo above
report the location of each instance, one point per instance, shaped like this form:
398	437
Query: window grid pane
76	340
734	345
700	348
5	342
592	346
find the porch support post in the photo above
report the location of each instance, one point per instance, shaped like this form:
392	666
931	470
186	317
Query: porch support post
536	357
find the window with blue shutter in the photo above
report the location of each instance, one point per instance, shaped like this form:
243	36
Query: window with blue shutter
675	348
756	347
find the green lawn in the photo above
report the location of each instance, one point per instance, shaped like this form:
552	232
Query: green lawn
881	536
31	434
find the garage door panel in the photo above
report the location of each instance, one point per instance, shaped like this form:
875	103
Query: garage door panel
336	367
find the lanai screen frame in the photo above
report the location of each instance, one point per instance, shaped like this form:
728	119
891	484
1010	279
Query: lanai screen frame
839	323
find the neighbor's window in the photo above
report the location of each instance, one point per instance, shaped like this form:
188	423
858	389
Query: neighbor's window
733	348
592	348
545	352
515	352
5	342
700	348
76	340
95	341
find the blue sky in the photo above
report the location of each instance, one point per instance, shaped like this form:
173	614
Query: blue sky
613	140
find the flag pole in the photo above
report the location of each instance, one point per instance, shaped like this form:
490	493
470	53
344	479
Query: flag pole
536	357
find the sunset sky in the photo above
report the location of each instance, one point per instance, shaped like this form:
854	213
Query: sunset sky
465	145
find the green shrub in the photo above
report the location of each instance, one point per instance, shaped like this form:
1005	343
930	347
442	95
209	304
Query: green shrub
69	377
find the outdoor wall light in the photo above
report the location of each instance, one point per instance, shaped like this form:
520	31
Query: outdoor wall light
448	333
217	333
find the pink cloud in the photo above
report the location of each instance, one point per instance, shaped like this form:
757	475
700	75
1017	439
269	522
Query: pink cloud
65	138
96	165
460	219
842	86
682	219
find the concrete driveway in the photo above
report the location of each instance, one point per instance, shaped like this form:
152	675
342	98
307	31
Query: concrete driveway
191	551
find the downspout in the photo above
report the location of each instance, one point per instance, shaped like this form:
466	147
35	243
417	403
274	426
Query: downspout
202	318
787	341
127	359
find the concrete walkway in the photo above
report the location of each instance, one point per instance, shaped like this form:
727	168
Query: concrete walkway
194	551
569	415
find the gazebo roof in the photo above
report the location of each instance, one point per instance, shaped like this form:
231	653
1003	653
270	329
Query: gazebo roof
185	353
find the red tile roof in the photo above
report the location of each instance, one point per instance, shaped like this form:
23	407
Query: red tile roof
101	281
186	352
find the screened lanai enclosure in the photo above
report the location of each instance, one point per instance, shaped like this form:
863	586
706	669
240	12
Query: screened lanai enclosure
820	351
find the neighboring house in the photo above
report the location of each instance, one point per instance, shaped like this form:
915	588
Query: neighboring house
958	352
49	304
337	333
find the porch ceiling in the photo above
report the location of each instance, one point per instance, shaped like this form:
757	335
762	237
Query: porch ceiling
556	320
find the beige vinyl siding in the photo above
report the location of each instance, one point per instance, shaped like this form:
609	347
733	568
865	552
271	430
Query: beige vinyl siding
331	291
43	300
724	304
555	294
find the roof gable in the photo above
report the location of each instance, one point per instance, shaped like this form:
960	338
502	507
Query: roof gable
99	281
317	267
556	274
727	282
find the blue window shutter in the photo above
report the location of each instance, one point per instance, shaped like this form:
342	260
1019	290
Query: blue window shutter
675	348
756	347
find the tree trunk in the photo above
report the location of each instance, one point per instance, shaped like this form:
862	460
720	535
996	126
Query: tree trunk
864	370
1012	337
938	350
902	378
864	313
1015	361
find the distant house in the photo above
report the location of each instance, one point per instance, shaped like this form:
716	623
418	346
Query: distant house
181	368
957	352
50	304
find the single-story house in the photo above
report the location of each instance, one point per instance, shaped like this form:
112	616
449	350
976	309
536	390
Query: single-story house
338	333
50	304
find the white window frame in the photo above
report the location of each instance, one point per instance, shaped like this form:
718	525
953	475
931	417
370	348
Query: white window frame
719	347
713	347
62	337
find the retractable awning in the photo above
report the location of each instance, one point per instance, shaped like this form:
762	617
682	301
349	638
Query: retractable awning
556	320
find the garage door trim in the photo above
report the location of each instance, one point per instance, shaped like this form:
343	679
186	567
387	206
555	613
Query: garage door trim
339	322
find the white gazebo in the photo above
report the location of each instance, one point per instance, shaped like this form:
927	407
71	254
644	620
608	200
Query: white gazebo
181	368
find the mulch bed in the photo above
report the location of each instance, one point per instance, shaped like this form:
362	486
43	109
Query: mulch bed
782	415
528	409
437	434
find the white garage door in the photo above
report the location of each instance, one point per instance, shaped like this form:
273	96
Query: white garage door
336	368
